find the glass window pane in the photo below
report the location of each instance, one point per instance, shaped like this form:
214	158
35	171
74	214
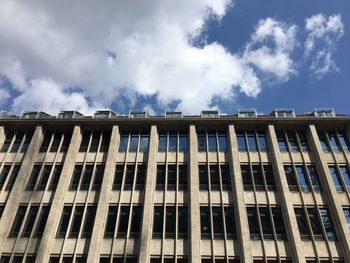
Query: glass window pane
214	177
158	221
266	222
33	177
247	179
44	177
76	177
94	141
333	141
315	222
85	184
129	178
106	137
134	140
17	223
258	177
124	137
46	141
269	177
222	142
242	147
327	223
251	141
278	222
12	178
123	221
89	221
346	176
314	178
62	229
135	221
281	141
182	177
55	177
118	177
77	218
253	223
304	185
230	222
347	216
262	141
170	221
28	226
201	141
183	142
344	141
323	141
171	177
8	140
225	177
203	177
290	177
99	170
212	142
144	142
302	223
85	141
111	221
162	142
160	177
336	179
183	222
42	221
218	222
172	141
303	141
205	222
292	141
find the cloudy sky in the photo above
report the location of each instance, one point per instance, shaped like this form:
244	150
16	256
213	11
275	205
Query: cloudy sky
164	54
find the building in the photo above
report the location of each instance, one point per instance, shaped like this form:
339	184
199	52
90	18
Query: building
208	188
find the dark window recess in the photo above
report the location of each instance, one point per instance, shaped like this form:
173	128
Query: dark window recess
203	177
46	141
111	221
262	141
346	214
253	223
86	180
129	177
85	141
251	139
315	223
269	177
281	140
323	141
222	141
12	178
291	180
8	139
182	222
25	146
99	171
278	222
17	142
293	145
141	177
303	141
44	177
266	222
172	142
55	177
17	223
205	222
134	141
218	223
123	221
304	185
214	177
28	226
33	177
135	221
258	177
171	184
76	223
247	178
336	179
76	177
334	141
158	222
302	223
346	176
56	141
263	177
212	144
183	177
42	221
327	223
2	207
124	138
242	145
162	146
118	177
344	141
64	222
170	222
17	259
231	231
144	142
202	141
160	181
67	136
314	178
30	259
89	221
183	142
94	141
106	137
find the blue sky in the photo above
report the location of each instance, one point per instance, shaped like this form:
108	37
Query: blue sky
189	55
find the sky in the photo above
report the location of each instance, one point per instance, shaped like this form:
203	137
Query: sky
187	55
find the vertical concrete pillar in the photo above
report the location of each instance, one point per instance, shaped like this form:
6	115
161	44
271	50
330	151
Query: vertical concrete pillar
2	136
58	200
283	189
103	201
19	186
238	198
335	207
194	223
146	228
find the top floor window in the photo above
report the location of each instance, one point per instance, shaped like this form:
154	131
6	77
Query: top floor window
172	141
336	140
212	141
295	140
134	141
251	141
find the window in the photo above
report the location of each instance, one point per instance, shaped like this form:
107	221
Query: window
281	141
123	145
17	143
106	137
303	141
172	180
219	175
182	219
347	216
12	178
182	177
111	221
17	223
144	142
170	222
203	177
323	141
162	146
307	180
99	170
28	226
141	177
55	177
89	221
63	226
337	140
344	141
135	140
42	221
95	139
67	136
315	223
33	177
85	141
76	177
2	207
158	222
183	142
135	226
129	177
251	141
44	177
56	141
87	175
212	141
292	139
176	177
221	216
225	177
336	178
262	176
8	139
334	141
77	219
118	177
267	216
84	176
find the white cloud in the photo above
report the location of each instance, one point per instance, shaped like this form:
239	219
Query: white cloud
87	54
323	33
276	58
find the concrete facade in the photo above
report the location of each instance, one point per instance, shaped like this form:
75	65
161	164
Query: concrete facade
109	216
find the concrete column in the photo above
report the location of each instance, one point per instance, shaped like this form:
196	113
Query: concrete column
283	189
147	219
335	205
58	199
2	136
238	198
103	201
194	224
20	184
